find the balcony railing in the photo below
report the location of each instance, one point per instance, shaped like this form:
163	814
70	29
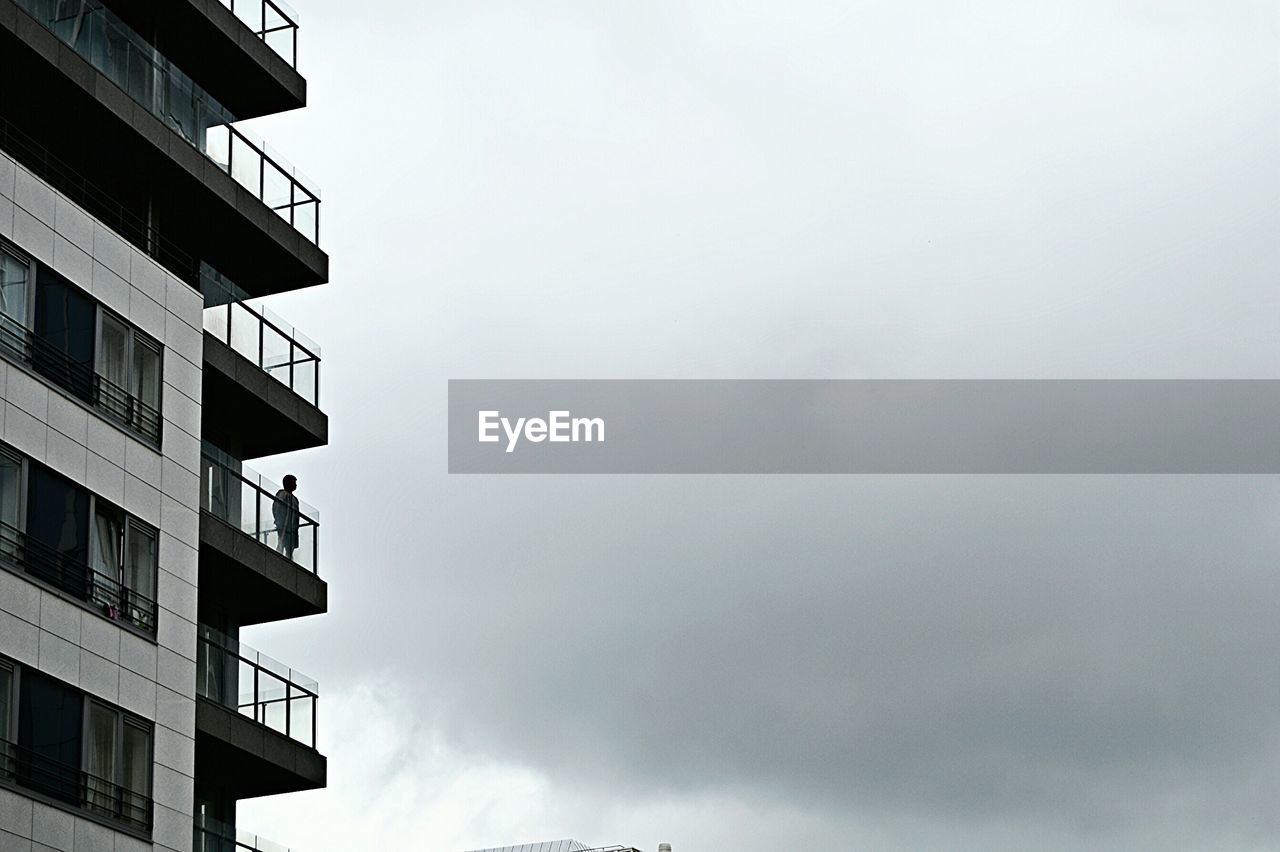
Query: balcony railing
214	836
254	685
133	64
20	343
103	206
109	594
259	508
259	335
273	22
69	784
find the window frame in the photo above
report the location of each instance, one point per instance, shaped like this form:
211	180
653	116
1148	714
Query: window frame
131	524
13	455
118	816
121	718
9	733
136	338
9	248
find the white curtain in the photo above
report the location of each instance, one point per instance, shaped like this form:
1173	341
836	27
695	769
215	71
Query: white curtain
113	352
100	759
106	560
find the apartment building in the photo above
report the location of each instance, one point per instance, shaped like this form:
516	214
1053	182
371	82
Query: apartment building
142	234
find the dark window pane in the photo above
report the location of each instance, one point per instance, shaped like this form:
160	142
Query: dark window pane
135	773
10	505
49	729
57	531
64	333
141	553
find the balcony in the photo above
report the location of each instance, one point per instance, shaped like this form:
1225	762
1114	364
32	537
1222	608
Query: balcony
129	61
158	145
275	23
21	344
214	836
94	589
248	572
244	51
259	370
255	721
41	774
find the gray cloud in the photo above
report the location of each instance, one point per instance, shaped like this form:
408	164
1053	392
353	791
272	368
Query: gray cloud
826	190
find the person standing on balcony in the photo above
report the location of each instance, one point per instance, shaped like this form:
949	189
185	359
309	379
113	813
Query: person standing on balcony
285	511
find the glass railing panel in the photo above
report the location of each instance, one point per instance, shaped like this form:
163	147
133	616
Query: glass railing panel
301	713
250	508
277	354
306	216
255	332
246	331
273	22
245	164
259	508
265	691
277	188
308	544
212	835
306	379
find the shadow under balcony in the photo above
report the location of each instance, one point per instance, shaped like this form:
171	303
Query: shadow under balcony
248	572
255	721
243	51
261	379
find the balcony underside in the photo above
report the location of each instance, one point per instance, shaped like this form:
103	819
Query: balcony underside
85	120
247	759
220	53
251	414
242	582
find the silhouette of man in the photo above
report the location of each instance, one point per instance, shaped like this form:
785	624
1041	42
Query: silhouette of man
285	512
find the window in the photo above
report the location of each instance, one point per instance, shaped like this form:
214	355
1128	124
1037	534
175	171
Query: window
100	746
8	756
124	566
15	275
144	383
57	531
135	771
62	743
70	339
138	574
117	764
10	507
61	534
128	374
49	731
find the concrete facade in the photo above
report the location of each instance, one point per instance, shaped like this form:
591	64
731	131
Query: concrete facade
53	633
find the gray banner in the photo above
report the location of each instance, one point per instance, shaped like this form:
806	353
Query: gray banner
889	426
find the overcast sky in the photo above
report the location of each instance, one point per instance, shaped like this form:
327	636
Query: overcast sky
739	189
